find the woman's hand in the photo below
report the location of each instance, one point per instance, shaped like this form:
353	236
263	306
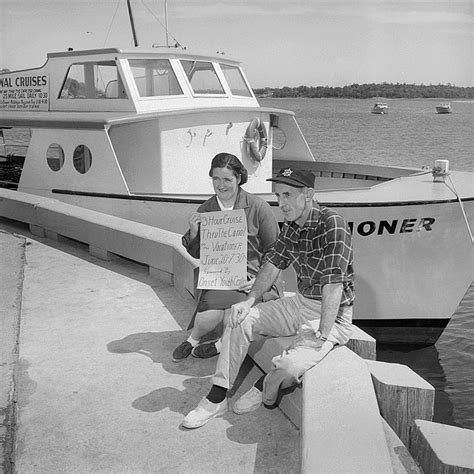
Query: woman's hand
194	221
247	286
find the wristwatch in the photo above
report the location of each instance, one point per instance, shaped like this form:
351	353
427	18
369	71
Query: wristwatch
319	336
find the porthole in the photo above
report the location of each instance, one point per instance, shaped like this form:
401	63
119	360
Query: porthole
55	157
82	159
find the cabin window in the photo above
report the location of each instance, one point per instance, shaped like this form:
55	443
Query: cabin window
82	159
55	157
93	80
236	81
203	77
154	77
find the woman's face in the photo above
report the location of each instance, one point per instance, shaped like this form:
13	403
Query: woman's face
225	184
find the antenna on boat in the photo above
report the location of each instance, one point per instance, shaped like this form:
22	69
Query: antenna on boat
132	24
166	23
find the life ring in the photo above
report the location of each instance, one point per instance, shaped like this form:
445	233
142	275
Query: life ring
256	138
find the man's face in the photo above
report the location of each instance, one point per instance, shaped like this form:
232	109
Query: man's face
292	202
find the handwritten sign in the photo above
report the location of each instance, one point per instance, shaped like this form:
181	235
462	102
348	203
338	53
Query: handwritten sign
24	91
223	250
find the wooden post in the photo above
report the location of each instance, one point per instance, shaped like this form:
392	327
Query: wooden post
402	396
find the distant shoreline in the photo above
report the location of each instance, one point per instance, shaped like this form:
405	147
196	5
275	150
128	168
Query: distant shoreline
383	91
378	99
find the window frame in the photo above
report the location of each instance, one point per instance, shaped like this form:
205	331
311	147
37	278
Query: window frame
179	82
218	74
87	71
242	75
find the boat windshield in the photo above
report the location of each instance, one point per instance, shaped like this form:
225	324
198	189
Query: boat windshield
202	77
93	80
235	80
154	77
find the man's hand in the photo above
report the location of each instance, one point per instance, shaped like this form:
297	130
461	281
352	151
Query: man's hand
307	338
239	311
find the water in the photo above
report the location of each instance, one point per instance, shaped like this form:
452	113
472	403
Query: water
411	134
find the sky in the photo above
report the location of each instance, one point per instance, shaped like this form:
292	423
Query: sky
280	42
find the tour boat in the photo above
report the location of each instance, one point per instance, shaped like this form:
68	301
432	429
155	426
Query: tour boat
444	109
380	108
131	133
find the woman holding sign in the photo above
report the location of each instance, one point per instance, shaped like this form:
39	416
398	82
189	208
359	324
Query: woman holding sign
228	175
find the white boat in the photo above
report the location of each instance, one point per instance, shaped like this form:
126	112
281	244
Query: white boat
380	108
444	108
132	132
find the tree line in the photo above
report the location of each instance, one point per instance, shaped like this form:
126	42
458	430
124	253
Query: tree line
368	91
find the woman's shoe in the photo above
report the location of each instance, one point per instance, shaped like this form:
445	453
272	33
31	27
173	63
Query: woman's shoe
182	351
207	349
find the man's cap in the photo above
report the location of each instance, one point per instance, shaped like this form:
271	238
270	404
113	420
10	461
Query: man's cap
295	177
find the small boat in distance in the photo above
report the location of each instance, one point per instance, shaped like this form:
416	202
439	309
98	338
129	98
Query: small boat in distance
444	108
380	108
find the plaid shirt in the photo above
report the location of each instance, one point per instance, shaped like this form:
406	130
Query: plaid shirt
320	251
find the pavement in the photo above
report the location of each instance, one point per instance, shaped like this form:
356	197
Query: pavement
88	383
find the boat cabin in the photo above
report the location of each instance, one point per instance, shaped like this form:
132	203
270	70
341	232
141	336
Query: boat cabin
141	122
126	80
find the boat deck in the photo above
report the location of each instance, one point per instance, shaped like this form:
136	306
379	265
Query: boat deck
96	387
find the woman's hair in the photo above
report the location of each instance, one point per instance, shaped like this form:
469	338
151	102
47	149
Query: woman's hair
227	160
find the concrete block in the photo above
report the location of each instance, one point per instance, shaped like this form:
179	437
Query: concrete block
442	448
402	395
37	230
402	460
161	275
342	429
20	206
263	350
185	274
49	234
362	344
101	253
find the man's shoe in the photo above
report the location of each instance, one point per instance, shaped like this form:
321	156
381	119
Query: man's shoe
182	351
249	401
204	412
207	349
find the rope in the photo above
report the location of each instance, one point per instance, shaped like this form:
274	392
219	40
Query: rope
436	172
111	23
462	207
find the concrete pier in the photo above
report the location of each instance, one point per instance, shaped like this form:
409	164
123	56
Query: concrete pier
88	384
96	389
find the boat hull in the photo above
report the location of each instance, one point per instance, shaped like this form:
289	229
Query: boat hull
413	260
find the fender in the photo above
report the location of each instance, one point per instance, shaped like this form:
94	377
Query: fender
256	138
